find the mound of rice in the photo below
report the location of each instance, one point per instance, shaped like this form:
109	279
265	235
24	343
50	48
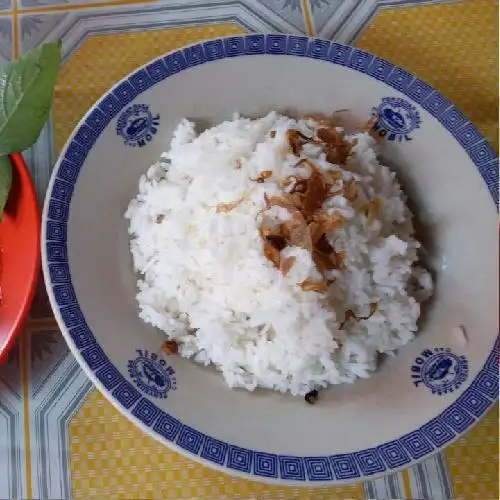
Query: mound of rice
204	280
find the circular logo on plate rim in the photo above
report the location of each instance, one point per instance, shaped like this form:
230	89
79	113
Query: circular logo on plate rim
152	375
440	370
137	125
395	118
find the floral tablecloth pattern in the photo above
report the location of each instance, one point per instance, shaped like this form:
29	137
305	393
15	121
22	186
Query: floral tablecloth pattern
59	437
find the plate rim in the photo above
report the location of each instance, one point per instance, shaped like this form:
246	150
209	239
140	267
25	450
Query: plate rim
293	470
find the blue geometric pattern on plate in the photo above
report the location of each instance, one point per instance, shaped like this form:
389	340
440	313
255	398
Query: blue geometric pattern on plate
58	211
265	464
438	432
453	119
458	417
157	72
344	466
481	153
110	105
400	79
56	231
234	46
418	90
64	294
214	50
318	49
59	273
76	152
142	81
339	54
370	462
71	315
240	459
125	92
360	60
468	135
214	450
68	171
82	336
195	55
297	46
175	62
86	135
436	104
62	191
292	468
56	252
276	44
394	454
416	444
487	383
255	44
125	394
190	439
109	376
96	123
146	411
167	426
380	69
318	469
94	357
474	402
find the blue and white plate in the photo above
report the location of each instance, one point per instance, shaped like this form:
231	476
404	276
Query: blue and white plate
418	402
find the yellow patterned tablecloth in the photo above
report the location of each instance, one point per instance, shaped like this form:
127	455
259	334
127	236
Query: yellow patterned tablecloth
94	452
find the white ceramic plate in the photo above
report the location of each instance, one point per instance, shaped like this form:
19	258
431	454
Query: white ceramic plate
418	402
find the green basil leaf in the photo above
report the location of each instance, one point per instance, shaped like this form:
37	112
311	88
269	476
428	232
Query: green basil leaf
26	89
5	182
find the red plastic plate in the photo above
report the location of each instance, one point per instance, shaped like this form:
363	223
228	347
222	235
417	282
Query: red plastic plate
19	254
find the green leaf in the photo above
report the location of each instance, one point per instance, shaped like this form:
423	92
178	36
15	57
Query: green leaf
5	182
26	89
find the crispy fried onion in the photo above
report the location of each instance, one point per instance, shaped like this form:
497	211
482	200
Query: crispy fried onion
350	314
307	226
310	285
372	210
230	206
343	116
265	174
296	140
287	264
304	197
170	347
332	139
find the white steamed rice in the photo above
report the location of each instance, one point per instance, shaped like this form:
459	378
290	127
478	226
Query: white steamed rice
204	280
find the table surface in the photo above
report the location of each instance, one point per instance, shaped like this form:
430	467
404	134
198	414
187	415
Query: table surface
93	451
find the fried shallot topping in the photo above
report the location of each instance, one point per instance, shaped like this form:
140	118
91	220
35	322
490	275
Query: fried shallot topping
350	190
287	264
170	347
372	210
350	314
309	285
265	174
228	207
296	140
304	198
272	254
